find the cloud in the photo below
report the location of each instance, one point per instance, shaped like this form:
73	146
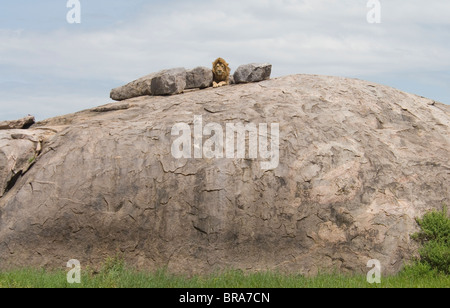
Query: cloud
310	36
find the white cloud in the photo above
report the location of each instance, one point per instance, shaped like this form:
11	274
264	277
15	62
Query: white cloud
310	36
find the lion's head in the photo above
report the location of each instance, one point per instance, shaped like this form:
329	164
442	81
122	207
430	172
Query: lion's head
221	70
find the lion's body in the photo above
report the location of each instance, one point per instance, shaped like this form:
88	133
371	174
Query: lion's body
221	72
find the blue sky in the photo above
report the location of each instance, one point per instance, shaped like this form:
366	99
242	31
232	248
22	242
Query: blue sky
49	67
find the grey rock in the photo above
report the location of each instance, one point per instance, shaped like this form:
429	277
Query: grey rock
169	82
166	82
232	79
18	151
358	162
253	72
17	124
199	77
136	88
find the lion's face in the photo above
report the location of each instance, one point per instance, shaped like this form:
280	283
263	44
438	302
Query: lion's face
220	69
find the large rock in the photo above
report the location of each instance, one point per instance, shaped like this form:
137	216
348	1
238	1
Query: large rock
357	163
199	77
136	88
253	72
169	82
23	123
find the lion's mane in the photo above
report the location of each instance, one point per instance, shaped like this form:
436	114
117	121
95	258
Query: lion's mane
224	78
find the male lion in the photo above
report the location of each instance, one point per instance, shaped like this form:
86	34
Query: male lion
221	73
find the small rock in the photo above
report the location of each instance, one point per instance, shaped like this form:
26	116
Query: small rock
169	82
253	72
23	123
199	77
232	79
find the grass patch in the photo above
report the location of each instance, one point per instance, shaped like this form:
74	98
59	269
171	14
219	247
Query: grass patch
31	160
122	277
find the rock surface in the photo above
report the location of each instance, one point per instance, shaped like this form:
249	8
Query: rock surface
169	82
253	72
23	123
18	151
165	82
199	77
139	87
358	162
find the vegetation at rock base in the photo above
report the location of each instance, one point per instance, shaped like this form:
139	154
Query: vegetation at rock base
115	274
117	277
435	239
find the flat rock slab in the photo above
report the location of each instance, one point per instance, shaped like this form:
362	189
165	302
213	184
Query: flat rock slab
136	88
23	123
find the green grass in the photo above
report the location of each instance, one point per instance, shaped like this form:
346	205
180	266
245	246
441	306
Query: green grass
31	160
121	277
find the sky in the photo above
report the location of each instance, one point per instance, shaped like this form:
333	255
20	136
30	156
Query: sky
50	67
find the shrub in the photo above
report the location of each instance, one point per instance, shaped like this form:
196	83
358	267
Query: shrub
435	238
